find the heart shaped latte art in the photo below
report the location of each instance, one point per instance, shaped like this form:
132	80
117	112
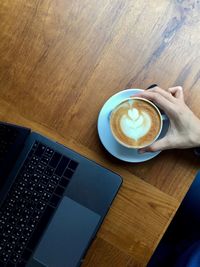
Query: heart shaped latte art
135	124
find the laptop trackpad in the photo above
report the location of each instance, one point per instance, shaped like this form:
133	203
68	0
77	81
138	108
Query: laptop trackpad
67	236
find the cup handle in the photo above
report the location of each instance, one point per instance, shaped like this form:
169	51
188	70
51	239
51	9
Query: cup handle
164	117
152	86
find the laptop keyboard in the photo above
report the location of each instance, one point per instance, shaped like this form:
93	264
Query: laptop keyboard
7	138
31	201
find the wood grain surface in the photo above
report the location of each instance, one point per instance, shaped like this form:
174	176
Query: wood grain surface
61	60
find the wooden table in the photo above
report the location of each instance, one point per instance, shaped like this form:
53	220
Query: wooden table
61	60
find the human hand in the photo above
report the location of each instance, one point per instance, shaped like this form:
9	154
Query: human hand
184	128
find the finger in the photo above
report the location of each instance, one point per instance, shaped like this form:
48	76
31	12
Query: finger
177	92
161	144
163	103
164	93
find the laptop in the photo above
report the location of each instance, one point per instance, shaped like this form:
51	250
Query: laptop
52	200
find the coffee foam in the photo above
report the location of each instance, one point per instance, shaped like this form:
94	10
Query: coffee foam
135	122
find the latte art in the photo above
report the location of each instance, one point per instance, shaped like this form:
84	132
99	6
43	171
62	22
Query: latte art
135	123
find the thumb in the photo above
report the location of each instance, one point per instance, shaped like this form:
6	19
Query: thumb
177	92
161	144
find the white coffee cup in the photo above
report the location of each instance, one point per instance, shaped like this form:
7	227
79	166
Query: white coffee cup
161	116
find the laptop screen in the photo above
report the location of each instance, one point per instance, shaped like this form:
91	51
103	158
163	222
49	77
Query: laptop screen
12	139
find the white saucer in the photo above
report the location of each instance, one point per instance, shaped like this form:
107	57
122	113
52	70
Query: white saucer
106	137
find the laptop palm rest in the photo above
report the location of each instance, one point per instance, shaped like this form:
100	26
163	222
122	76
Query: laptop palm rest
67	236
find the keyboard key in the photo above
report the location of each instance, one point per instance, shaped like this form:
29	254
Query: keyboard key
26	212
22	183
35	197
49	171
59	190
44	160
68	173
40	168
17	212
73	165
26	255
18	249
30	168
14	258
26	176
64	182
55	159
12	220
17	232
40	188
34	160
27	232
49	152
55	179
46	196
35	178
41	206
8	228
62	166
32	223
44	179
5	256
30	206
3	240
40	150
55	200
50	188
27	194
37	214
